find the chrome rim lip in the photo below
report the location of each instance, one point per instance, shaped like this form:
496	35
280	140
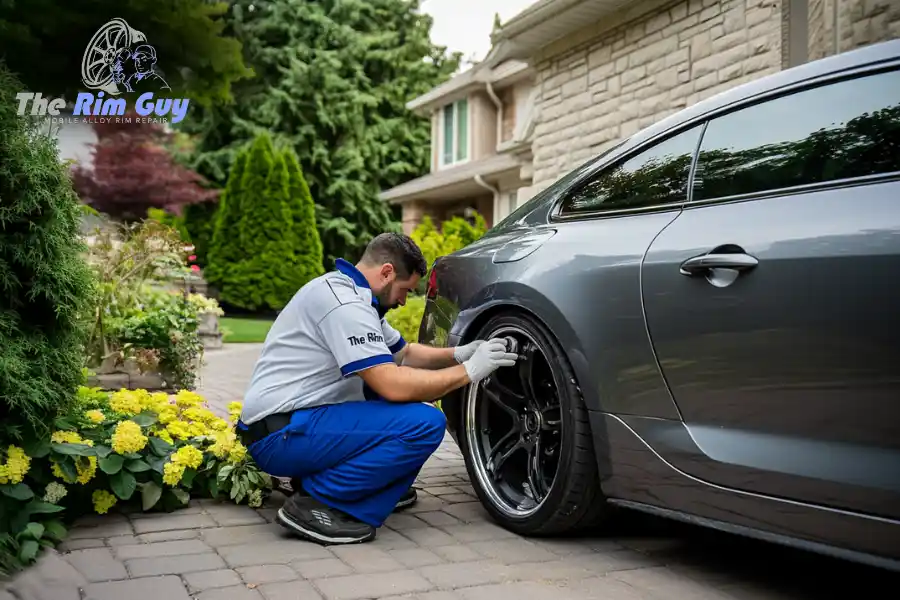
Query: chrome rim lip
474	440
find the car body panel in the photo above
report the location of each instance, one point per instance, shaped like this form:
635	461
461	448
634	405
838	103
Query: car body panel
795	365
749	440
634	471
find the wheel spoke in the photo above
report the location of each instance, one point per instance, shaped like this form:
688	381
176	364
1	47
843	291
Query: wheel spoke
535	472
499	394
494	463
526	375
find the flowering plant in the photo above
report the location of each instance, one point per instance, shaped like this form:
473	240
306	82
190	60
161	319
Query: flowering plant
205	305
127	447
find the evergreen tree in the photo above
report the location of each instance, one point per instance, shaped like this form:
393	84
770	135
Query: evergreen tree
307	247
225	250
265	231
45	284
332	81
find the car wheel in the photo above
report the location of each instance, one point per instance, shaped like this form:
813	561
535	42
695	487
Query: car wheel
526	438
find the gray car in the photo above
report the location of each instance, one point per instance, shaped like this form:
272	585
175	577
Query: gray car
707	322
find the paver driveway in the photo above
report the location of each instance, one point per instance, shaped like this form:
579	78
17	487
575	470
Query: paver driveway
444	548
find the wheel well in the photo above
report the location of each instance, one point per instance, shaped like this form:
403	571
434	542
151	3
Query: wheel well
479	321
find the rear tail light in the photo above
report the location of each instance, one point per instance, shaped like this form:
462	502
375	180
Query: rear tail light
431	291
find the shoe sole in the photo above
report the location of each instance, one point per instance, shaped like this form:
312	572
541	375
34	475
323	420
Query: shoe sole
406	503
287	491
285	521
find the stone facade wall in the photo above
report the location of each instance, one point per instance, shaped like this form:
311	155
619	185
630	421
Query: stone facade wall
860	23
640	71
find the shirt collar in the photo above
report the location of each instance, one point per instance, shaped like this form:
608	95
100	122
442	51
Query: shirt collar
350	270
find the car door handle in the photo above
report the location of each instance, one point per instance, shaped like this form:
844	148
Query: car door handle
703	263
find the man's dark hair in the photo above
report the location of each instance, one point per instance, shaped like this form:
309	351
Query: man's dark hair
400	251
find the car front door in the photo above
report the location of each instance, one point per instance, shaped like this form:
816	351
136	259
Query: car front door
772	300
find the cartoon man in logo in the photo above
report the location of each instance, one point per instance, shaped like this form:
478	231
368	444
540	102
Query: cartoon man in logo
145	77
119	59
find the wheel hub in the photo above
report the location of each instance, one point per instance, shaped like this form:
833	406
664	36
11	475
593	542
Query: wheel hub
532	421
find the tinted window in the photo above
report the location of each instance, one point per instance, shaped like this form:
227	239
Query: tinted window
656	176
842	130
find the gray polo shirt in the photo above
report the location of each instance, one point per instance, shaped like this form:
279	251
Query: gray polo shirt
329	330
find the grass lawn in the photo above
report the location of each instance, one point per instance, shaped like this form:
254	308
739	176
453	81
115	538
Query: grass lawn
238	330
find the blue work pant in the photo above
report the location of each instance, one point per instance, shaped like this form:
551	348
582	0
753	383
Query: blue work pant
357	457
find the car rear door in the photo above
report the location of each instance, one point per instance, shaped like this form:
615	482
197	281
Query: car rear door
772	301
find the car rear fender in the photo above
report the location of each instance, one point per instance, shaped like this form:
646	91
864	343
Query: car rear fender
517	297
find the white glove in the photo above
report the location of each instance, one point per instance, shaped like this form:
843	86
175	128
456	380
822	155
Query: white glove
464	353
487	358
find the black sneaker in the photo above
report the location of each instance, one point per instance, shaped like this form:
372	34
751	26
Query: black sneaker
409	498
317	522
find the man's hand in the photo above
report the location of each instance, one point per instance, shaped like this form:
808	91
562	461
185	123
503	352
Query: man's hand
487	358
464	353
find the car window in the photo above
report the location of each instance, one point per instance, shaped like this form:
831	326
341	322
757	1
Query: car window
656	176
838	131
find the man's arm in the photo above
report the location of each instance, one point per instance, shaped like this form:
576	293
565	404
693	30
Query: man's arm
408	384
423	356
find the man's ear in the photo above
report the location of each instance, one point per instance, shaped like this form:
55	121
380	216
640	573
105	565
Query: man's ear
387	269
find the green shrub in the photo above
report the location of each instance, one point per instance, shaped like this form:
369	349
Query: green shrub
454	234
45	285
307	246
266	232
225	250
266	245
407	318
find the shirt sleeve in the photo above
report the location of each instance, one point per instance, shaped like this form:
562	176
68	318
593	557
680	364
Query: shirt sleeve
392	337
353	334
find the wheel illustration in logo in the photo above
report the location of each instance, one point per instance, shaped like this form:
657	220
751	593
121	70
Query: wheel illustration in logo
105	58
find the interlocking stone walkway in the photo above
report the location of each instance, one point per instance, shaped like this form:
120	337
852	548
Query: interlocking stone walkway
444	548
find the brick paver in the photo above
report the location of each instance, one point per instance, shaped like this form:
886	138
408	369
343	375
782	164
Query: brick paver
443	548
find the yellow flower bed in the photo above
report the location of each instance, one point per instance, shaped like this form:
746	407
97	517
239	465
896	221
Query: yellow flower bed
129	446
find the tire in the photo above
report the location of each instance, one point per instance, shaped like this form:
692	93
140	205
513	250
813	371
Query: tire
574	500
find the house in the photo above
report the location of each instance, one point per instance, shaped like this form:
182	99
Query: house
593	72
481	133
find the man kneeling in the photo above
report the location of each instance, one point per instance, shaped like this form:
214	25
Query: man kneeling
330	406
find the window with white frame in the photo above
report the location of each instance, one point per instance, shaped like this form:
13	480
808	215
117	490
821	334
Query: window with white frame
454	130
512	199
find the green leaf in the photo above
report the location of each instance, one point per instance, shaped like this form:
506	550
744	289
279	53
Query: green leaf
188	478
160	447
150	495
112	464
67	466
103	451
182	495
213	488
137	466
145	419
39	506
157	464
28	551
123	484
133	455
37	448
74	449
55	529
35	530
224	472
20	491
